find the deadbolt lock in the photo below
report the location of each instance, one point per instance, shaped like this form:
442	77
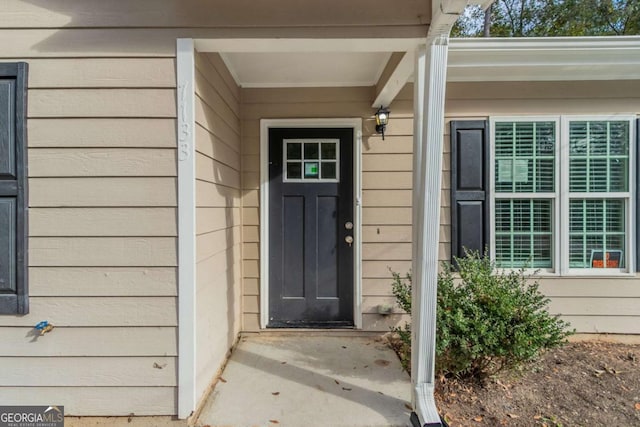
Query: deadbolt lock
348	225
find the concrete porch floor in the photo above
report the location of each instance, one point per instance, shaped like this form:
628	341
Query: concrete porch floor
310	380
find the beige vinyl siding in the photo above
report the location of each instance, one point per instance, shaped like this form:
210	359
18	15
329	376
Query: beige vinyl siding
102	256
189	13
101	133
592	305
123	371
218	227
72	162
386	212
103	281
117	342
149	400
86	192
110	222
102	72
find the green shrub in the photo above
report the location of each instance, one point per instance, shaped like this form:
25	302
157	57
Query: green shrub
401	288
487	320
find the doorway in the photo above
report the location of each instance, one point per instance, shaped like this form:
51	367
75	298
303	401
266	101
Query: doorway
311	227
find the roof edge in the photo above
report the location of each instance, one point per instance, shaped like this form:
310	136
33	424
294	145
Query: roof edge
544	43
544	58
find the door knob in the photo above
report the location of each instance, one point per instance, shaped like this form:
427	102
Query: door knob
349	240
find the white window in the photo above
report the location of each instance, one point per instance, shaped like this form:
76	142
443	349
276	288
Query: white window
561	193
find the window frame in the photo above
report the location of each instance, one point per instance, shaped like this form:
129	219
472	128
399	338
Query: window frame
628	196
553	196
319	160
560	197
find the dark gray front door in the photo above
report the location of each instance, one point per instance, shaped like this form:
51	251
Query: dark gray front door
310	224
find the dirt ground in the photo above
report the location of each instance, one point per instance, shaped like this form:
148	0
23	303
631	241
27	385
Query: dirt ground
580	384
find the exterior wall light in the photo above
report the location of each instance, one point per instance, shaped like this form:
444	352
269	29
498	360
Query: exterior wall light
382	119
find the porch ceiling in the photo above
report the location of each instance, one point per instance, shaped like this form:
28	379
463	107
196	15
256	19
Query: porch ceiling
328	62
305	69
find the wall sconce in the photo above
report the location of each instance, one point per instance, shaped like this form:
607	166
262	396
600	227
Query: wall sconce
382	118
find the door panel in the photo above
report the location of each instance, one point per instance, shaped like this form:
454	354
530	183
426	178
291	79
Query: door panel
293	239
310	201
327	256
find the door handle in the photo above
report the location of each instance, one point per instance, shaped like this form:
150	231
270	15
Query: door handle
349	240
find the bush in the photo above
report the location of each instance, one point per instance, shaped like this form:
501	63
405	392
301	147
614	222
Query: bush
401	288
487	320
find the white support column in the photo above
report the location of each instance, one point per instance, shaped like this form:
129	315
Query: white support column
186	228
418	199
429	98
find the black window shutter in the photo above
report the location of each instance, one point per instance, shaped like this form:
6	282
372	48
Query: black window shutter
13	189
469	187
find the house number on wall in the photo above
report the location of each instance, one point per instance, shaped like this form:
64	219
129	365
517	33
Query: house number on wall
184	132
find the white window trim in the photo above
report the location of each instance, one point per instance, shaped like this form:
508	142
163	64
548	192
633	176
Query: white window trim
554	196
561	196
630	230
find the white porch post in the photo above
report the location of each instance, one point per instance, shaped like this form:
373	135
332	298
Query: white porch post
429	98
186	228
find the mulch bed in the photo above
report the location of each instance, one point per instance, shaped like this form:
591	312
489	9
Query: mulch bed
579	384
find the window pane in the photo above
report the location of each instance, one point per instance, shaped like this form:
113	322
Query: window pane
328	170
294	151
524	233
525	157
311	170
311	150
294	170
599	156
618	174
328	151
595	226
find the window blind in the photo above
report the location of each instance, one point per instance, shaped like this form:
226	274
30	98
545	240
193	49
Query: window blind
525	157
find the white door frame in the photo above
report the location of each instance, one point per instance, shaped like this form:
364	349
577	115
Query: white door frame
356	125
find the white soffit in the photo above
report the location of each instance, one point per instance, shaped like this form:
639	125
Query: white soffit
306	62
544	59
305	69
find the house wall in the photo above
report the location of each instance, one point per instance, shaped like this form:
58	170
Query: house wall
386	187
592	305
102	175
218	227
102	256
